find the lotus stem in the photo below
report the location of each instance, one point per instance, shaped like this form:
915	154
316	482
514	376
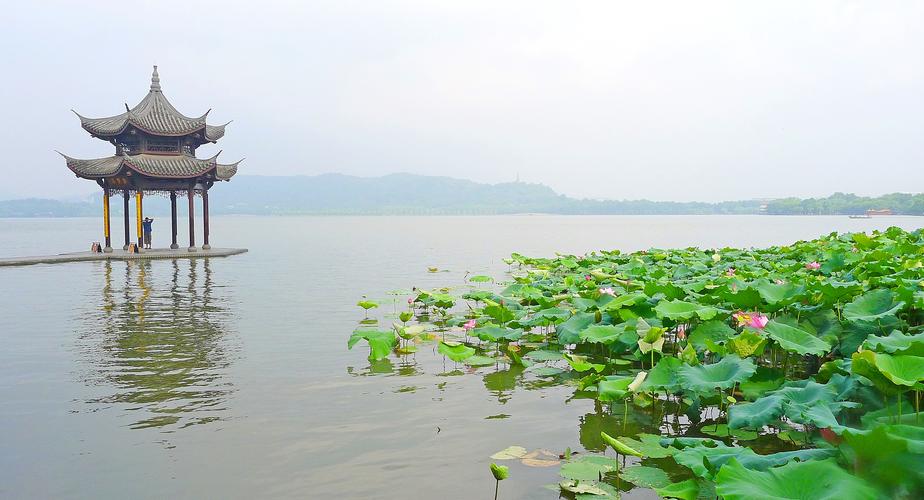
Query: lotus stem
496	488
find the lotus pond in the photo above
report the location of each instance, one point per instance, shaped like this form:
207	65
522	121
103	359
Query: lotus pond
785	372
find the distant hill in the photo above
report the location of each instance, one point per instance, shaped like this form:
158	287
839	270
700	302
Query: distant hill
408	194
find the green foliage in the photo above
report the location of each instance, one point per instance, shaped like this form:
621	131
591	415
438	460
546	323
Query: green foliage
788	365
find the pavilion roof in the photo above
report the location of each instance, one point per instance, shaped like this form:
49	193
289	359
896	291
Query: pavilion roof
151	165
155	115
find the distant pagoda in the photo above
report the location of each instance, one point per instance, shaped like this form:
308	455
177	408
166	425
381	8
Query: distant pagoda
155	153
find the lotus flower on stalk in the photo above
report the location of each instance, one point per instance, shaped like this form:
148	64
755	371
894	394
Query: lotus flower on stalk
470	325
588	277
681	331
730	271
813	265
754	320
608	291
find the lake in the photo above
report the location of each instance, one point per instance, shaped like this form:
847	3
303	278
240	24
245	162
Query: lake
230	377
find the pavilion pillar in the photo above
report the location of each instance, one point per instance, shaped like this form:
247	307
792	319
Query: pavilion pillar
138	212
108	247
192	221
173	244
125	214
205	220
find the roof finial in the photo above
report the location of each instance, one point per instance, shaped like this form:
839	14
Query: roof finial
155	81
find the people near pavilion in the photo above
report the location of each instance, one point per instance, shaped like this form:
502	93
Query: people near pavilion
146	224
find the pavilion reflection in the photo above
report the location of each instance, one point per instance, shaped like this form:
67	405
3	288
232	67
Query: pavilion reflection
160	339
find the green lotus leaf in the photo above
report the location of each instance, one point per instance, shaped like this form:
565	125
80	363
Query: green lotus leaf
602	334
477	360
704	461
380	342
722	430
803	402
587	468
685	490
901	369
627	300
569	330
645	476
747	343
499	313
543	355
865	364
619	446
455	351
497	333
500	472
367	304
897	343
480	278
873	305
795	339
613	389
580	363
764	380
816	480
722	375
663	376
714	330
679	310
774	294
649	445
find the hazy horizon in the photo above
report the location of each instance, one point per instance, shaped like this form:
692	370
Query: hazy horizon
602	100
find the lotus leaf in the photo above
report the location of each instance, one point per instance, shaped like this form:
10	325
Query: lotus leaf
477	360
580	363
587	468
685	490
455	351
645	476
714	330
722	375
872	306
497	333
602	334
816	480
679	310
380	342
795	339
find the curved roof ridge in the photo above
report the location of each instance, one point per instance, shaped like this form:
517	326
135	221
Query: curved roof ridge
154	114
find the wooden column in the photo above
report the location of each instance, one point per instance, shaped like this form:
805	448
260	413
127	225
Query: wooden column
192	221
108	247
205	220
173	244
128	236
138	212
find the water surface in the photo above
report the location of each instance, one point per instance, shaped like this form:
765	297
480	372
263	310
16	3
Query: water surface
230	378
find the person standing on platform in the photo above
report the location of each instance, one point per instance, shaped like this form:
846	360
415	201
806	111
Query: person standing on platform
146	224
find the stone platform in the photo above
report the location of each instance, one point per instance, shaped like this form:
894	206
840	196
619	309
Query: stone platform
119	254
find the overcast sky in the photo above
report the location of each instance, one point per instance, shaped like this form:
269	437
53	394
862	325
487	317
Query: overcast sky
661	100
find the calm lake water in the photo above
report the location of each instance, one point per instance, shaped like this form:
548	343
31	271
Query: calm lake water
230	378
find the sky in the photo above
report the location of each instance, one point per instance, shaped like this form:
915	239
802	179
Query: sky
683	100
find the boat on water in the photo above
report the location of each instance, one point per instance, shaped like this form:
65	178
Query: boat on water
860	216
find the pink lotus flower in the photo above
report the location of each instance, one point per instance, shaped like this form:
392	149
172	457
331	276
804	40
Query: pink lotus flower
608	291
470	325
410	300
682	331
730	271
813	265
588	277
754	320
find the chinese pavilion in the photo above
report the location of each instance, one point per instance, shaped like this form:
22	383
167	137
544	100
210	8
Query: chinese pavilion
155	153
